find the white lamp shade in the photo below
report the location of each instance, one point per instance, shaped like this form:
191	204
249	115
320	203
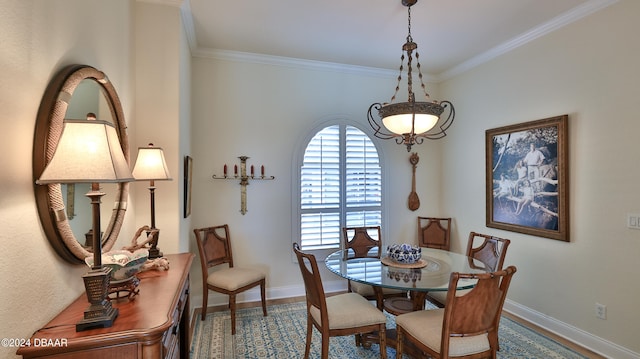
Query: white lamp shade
150	165
401	124
88	151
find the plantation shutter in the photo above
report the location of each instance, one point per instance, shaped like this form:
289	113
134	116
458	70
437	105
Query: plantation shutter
340	185
363	180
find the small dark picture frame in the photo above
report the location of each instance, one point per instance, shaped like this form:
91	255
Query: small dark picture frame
527	184
188	172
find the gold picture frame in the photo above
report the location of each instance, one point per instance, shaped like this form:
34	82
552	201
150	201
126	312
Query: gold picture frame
527	184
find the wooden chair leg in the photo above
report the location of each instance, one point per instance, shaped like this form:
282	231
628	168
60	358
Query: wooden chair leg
383	341
204	302
307	347
399	343
493	339
379	297
232	307
264	298
325	346
358	338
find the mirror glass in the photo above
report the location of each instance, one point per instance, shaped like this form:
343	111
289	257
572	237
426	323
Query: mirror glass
87	98
65	211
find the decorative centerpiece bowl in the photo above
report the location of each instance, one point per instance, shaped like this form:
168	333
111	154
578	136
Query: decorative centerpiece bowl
123	264
404	253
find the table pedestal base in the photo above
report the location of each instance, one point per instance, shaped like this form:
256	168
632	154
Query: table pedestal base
400	305
391	336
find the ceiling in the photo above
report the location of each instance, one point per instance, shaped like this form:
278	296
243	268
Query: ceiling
452	35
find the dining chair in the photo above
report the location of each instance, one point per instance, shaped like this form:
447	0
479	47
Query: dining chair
338	315
489	252
434	232
366	242
214	246
467	327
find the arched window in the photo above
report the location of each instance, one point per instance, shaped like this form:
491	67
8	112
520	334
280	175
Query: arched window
340	181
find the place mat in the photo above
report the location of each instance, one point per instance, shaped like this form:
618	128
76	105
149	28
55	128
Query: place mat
421	263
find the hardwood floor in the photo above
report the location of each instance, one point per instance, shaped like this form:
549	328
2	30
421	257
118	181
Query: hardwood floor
569	344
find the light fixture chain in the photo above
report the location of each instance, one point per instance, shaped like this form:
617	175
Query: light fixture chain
395	93
410	95
424	88
408	47
409	38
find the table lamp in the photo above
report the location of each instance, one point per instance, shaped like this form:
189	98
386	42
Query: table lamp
151	166
89	152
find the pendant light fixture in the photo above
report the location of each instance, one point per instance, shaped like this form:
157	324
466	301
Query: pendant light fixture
411	122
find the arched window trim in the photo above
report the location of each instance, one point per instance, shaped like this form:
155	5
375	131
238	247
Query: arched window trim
297	160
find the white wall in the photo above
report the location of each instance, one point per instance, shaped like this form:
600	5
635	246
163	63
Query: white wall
590	71
39	38
158	33
263	111
185	231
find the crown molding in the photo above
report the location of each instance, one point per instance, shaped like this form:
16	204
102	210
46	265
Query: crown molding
187	23
236	56
176	3
560	21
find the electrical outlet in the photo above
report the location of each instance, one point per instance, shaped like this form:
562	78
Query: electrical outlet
601	311
633	220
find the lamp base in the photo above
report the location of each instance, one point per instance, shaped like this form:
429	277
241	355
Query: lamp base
154	251
100	313
105	320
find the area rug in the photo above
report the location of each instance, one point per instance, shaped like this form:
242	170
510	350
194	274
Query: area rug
282	335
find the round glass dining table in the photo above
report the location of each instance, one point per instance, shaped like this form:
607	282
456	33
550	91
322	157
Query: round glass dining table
432	274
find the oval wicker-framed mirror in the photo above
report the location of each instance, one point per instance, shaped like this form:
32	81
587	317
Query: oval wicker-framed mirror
51	199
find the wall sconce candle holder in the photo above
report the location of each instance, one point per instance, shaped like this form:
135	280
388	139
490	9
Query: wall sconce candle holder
244	179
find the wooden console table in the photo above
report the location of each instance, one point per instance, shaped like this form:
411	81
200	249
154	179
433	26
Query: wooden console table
155	324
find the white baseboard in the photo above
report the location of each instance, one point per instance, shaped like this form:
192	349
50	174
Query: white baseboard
570	333
564	330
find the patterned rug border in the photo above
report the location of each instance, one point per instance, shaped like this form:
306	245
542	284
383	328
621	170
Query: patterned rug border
282	334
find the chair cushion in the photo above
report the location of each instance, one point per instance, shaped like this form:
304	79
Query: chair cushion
349	310
366	290
426	326
234	278
441	296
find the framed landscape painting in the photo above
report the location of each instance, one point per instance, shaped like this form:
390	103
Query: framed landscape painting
527	178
